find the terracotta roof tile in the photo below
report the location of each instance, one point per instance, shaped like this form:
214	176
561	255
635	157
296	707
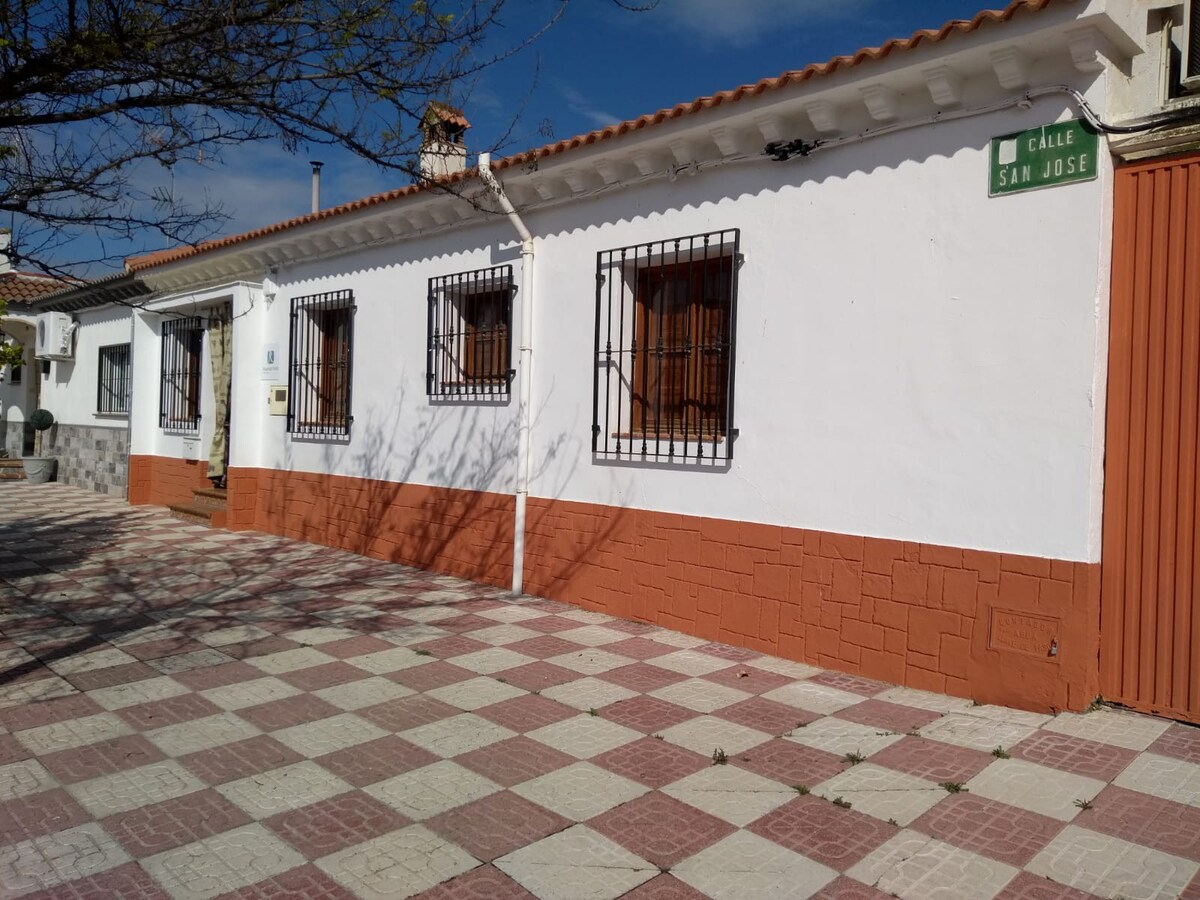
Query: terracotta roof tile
787	79
24	286
447	113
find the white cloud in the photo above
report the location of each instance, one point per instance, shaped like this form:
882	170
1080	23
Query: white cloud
582	106
742	22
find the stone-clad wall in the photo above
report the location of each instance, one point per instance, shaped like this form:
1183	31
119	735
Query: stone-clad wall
12	435
91	456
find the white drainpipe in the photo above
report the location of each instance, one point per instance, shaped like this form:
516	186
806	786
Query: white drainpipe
524	390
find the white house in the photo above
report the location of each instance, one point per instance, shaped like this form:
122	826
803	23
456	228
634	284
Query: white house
816	366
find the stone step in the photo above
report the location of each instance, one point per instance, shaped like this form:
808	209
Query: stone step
213	517
214	498
11	470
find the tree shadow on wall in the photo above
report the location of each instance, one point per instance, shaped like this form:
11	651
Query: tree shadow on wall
384	508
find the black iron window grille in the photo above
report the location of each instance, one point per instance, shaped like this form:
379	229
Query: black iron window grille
666	316
113	382
179	391
321	362
469	352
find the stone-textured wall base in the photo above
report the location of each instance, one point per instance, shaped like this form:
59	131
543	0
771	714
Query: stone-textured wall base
90	456
12	435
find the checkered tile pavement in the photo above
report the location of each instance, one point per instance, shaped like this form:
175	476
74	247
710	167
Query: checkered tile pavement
189	713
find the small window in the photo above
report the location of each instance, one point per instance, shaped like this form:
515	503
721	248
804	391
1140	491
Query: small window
179	391
15	374
113	381
470	318
321	364
665	317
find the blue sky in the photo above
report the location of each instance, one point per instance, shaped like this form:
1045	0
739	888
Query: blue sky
598	65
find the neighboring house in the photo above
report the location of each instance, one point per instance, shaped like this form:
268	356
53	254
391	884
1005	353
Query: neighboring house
802	367
86	378
19	384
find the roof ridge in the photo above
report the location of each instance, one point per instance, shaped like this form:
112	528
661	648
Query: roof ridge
794	76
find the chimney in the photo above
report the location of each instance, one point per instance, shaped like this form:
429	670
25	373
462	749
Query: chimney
316	184
5	243
443	148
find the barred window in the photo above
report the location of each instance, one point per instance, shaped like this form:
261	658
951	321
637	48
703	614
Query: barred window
321	363
113	381
665	328
179	390
470	317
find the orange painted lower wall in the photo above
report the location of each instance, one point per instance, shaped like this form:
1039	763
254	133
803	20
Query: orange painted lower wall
464	533
964	622
164	480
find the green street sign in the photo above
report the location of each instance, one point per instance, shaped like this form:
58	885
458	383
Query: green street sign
1042	157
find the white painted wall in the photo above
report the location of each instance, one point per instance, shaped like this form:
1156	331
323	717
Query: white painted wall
146	436
915	360
70	390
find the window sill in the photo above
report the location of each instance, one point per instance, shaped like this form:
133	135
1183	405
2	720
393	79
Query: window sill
667	437
111	415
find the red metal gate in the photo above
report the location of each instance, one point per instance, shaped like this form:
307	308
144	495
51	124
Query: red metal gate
1150	594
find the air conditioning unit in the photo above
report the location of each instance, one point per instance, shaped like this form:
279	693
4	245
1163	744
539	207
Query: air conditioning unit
55	331
1189	68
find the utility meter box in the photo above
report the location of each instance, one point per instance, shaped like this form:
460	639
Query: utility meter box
277	400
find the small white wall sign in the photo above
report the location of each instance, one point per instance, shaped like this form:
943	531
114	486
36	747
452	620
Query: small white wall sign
272	368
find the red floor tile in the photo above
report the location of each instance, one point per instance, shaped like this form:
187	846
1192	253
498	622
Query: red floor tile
449	647
111	676
34	715
550	624
465	624
1073	754
834	837
1179	741
376	760
11	750
1144	819
101	758
262	647
514	760
209	677
147	650
934	761
846	888
328	826
647	714
526	713
642	677
431	675
766	715
664	887
888	716
790	763
729	652
315	678
496	825
173	823
639	648
747	678
303	883
661	829
239	759
543	647
127	882
289	711
171	711
36	814
652	762
348	648
537	676
1003	832
1027	886
404	713
482	883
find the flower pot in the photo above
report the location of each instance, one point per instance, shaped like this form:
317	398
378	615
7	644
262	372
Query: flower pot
39	469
